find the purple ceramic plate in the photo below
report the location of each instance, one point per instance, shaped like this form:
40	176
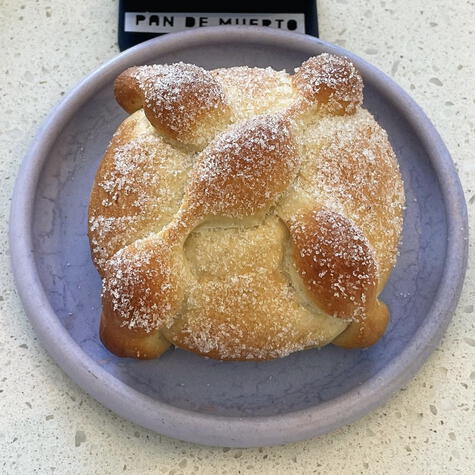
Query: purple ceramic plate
238	404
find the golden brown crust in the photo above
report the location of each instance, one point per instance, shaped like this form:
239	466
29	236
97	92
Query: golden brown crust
330	81
251	318
243	170
130	199
366	329
334	260
277	236
142	283
240	305
352	168
182	101
255	91
118	339
128	91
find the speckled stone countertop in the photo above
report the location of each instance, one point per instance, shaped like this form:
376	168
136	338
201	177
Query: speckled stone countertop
48	424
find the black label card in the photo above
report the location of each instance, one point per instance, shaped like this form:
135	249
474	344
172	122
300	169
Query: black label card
141	20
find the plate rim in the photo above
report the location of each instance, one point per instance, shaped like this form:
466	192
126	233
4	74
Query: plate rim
206	428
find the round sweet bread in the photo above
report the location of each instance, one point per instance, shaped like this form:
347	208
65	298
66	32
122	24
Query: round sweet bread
244	213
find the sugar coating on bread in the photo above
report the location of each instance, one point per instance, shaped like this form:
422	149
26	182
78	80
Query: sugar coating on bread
139	190
244	213
244	169
182	101
331	82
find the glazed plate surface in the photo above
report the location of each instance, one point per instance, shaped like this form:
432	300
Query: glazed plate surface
231	403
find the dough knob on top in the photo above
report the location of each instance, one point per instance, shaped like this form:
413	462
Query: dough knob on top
182	101
331	82
244	170
337	266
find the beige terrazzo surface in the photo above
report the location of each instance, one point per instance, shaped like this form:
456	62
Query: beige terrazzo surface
48	424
